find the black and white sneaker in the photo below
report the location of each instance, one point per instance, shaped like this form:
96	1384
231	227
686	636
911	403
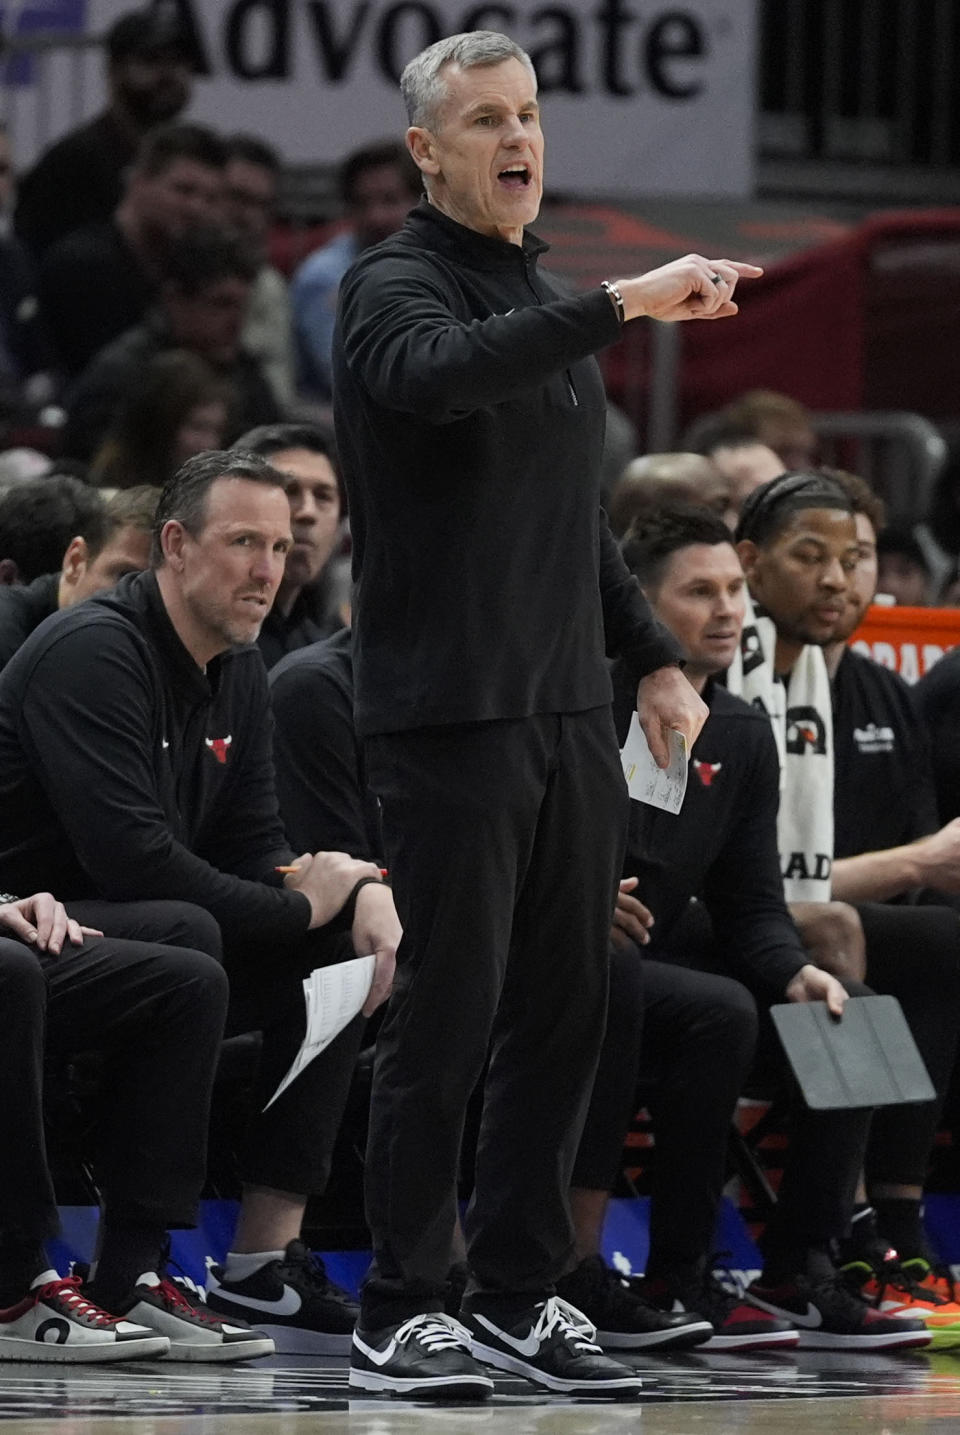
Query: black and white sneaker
427	1356
553	1345
194	1332
623	1319
292	1300
55	1322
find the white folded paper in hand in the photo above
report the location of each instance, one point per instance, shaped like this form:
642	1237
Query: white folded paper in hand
662	787
333	995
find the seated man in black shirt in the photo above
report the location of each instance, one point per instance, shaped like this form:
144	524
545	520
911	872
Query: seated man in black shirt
135	764
722	849
306	455
802	555
112	540
154	1012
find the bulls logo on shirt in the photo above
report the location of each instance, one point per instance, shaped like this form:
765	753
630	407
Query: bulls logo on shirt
706	771
219	746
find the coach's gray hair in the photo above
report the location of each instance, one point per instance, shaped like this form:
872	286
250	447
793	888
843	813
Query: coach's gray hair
422	84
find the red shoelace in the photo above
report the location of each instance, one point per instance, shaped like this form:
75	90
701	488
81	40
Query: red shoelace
67	1292
179	1303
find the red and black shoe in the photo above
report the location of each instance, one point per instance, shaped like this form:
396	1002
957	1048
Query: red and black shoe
736	1325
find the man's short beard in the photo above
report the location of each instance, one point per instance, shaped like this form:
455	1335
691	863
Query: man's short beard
237	639
796	634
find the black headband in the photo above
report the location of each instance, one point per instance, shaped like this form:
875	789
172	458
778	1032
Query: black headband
788	493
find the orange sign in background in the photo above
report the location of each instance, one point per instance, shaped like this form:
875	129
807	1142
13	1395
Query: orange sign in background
908	640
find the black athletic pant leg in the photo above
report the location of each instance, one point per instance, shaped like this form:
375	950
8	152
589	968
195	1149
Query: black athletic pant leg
823	1161
166	923
289	1147
504	841
700	1034
156	1013
28	1205
681	1042
549	1027
913	953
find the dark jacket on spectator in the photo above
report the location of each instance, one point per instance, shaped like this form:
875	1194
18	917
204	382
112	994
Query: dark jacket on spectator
307	622
78	180
95	399
883	792
321	779
128	773
23	607
937	696
92	287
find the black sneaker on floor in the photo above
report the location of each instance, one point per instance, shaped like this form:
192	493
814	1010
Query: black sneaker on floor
734	1324
553	1345
830	1317
293	1300
624	1320
426	1357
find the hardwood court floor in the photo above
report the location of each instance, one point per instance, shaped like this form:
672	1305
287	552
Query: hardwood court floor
775	1394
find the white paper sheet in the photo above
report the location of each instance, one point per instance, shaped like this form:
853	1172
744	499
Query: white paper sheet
333	996
662	787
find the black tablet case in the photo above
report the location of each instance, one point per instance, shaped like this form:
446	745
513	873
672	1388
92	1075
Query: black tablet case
867	1058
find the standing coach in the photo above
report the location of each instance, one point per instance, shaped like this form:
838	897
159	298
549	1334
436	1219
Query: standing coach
470	416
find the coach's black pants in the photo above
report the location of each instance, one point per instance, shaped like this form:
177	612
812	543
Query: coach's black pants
155	1009
504	841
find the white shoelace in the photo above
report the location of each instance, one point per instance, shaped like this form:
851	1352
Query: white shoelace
435	1331
559	1315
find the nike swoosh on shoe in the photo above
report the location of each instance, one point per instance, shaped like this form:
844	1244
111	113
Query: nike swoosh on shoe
379	1357
288	1304
529	1346
812	1320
